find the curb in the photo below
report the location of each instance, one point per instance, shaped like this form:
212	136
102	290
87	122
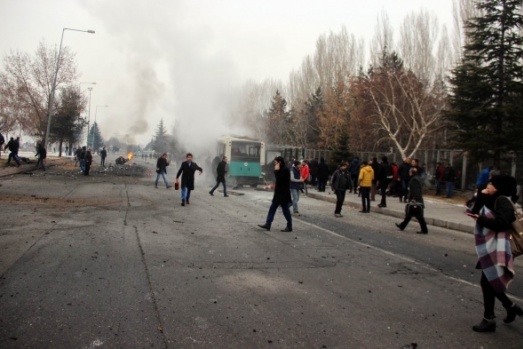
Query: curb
437	222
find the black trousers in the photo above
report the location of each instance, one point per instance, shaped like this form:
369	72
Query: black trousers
421	221
489	298
383	188
340	198
365	198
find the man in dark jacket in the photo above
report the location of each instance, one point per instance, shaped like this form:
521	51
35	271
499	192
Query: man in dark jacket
221	170
187	170
41	152
88	160
340	184
103	155
354	171
415	196
385	177
2	141
403	177
323	175
282	195
449	177
13	146
161	170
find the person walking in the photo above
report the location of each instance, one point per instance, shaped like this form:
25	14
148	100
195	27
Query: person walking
384	180
305	172
438	177
2	141
323	175
354	171
449	177
374	186
295	186
12	145
41	152
365	179
187	170
82	159
282	195
340	184
415	191
88	160
161	170
404	177
493	250
103	155
221	170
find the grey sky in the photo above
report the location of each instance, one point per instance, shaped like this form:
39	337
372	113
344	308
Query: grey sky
177	60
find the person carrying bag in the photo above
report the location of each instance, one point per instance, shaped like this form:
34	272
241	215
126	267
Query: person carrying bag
415	205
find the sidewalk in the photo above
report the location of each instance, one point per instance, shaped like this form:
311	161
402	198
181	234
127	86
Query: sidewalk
50	161
438	212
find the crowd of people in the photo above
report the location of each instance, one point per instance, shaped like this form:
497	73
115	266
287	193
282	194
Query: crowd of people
493	209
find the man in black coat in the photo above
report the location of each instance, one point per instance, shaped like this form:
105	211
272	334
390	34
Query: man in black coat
161	170
415	196
221	170
282	195
187	170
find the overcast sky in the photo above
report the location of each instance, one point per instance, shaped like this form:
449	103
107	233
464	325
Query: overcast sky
162	58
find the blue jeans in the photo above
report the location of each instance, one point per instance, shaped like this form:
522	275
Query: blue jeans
216	186
295	195
164	179
186	194
450	188
272	212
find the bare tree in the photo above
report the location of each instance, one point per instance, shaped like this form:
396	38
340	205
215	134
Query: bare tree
26	84
398	104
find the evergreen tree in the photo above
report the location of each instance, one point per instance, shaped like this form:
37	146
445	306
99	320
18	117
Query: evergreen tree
487	91
341	150
313	114
67	124
95	138
279	121
161	142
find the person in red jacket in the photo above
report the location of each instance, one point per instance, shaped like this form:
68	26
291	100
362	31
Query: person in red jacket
305	172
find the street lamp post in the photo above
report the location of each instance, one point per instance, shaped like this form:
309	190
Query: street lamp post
95	113
88	116
53	85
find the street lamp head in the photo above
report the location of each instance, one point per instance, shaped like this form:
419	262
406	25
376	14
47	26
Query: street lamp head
91	31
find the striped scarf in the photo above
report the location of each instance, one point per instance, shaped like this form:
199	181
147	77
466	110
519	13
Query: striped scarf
493	250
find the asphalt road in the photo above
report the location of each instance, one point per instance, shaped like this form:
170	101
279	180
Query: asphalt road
110	262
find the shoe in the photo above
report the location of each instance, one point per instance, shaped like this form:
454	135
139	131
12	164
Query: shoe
296	213
338	215
187	201
399	226
264	226
183	202
286	230
380	205
155	187
512	312
486	325
169	186
226	196
422	232
210	193
362	211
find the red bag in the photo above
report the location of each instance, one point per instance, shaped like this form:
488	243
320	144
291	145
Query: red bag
176	185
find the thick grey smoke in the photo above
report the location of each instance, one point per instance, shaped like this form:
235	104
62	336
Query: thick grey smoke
171	69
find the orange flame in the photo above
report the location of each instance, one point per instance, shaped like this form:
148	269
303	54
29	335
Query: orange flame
130	156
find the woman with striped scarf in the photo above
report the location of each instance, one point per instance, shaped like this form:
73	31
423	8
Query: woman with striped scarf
493	250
